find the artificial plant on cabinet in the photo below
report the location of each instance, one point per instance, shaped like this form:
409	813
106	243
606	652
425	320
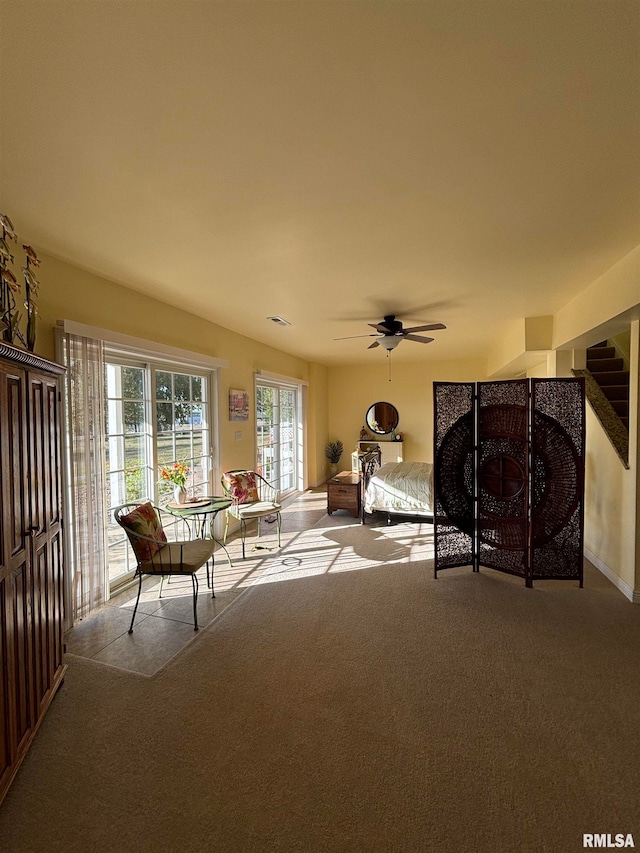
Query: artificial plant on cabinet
10	316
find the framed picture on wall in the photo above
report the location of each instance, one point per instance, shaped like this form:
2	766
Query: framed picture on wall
238	405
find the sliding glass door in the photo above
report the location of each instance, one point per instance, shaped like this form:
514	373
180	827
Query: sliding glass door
154	416
277	424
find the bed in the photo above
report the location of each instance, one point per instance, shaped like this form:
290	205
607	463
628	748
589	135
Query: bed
399	488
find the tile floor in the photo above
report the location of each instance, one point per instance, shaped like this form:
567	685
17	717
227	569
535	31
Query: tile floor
164	625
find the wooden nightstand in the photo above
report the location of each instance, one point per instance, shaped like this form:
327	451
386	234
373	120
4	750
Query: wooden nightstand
343	492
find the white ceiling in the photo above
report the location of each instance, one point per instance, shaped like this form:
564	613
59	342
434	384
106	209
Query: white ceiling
460	162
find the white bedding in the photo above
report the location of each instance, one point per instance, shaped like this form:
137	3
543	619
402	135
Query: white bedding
402	487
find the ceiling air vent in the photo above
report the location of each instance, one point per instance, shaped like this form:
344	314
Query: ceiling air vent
279	320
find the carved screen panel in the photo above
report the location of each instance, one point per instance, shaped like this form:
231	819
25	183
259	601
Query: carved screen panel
503	476
509	476
557	478
454	474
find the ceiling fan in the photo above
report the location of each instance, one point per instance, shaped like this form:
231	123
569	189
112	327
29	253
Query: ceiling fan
390	332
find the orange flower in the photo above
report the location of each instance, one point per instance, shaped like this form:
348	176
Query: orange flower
176	473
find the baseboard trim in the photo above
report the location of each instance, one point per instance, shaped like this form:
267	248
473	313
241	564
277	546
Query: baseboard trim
616	580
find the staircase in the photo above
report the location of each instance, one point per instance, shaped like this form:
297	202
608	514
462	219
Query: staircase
607	370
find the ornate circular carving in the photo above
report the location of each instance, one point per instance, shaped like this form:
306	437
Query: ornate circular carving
503	433
504	449
454	473
503	477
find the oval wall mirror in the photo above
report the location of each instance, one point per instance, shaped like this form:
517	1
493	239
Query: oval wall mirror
382	418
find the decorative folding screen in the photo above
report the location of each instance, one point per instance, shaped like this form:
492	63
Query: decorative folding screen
502	517
557	478
454	474
509	476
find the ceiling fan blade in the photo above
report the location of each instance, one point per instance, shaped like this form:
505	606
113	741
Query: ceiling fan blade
374	344
427	328
419	340
349	337
381	327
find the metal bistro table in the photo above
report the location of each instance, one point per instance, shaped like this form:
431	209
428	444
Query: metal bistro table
201	513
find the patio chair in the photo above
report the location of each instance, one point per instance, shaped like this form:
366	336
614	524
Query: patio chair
253	498
156	556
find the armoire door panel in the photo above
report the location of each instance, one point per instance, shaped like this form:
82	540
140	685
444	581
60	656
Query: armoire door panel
57	598
47	616
15	485
15	595
21	597
37	460
42	635
47	537
4	508
31	561
6	683
53	450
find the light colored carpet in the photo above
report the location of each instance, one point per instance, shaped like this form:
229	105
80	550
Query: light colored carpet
350	702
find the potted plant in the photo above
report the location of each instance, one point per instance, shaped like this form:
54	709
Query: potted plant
333	452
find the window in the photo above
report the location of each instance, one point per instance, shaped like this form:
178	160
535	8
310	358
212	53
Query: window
128	451
182	427
127	434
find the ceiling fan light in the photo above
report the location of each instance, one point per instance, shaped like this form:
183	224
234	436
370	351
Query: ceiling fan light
390	342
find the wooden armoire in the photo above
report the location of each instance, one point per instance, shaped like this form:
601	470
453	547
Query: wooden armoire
31	555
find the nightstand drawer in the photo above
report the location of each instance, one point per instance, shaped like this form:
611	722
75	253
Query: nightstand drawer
343	492
340	501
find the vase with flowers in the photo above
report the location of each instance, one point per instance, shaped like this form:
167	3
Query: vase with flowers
176	474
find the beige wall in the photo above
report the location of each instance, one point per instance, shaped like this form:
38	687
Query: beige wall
353	389
602	309
68	293
318	422
609	513
612	504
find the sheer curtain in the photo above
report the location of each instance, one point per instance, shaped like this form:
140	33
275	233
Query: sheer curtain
85	472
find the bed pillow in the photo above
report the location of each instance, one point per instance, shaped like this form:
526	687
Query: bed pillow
144	521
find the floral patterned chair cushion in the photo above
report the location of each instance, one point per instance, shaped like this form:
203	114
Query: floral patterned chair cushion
242	486
144	521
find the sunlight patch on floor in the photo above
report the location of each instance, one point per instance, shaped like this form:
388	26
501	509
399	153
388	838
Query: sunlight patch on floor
349	548
313	544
